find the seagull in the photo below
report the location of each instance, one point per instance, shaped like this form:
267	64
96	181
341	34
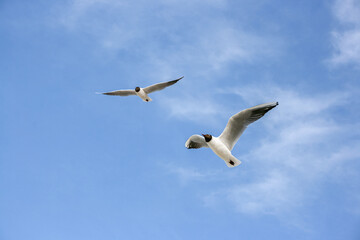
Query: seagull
143	92
236	125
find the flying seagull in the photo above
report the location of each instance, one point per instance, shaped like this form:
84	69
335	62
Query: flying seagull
236	125
143	92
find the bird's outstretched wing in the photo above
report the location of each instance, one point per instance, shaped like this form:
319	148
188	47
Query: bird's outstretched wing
160	86
120	93
196	141
238	123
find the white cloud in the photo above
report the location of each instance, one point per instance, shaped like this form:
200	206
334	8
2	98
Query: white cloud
346	39
193	108
269	195
187	175
169	35
347	47
293	104
347	11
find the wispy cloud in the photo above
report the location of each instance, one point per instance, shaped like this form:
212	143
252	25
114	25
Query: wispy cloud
199	109
172	37
347	11
346	38
188	175
269	195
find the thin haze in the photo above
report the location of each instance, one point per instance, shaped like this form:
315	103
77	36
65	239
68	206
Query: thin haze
76	165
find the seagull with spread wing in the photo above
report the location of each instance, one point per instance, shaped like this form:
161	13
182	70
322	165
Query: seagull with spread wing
236	125
143	92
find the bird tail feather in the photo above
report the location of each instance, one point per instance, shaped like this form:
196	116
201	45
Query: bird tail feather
147	99
233	162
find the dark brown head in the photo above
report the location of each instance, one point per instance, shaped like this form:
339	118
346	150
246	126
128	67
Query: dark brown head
137	89
207	137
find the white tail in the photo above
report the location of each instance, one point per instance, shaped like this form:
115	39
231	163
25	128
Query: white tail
233	162
147	99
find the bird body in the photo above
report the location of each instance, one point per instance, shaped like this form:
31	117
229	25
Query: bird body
143	92
220	149
236	125
143	95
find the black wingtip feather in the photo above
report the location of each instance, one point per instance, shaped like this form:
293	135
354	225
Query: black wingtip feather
179	78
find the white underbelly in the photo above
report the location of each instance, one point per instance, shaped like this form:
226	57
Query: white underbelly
220	149
142	94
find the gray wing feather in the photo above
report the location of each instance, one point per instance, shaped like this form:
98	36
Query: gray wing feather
121	93
196	141
239	122
160	86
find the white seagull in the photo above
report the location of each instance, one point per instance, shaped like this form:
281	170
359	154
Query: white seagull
143	92
236	125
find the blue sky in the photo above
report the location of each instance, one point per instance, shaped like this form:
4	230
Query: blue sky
76	165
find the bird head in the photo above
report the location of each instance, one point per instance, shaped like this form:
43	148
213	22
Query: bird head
207	137
137	89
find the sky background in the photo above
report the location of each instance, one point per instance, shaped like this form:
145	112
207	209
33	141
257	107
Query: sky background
77	165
